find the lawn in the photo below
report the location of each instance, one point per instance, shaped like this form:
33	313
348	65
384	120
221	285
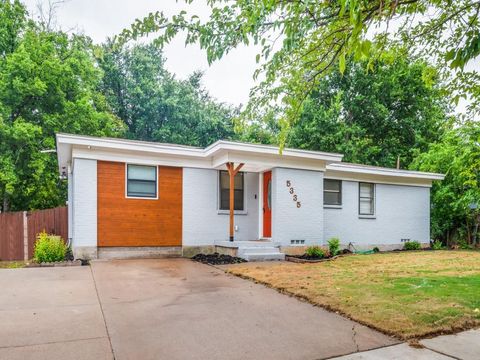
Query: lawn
406	294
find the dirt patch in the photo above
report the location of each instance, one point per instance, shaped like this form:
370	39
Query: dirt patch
217	259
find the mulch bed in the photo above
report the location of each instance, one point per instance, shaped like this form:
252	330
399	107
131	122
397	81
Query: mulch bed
313	259
217	259
56	264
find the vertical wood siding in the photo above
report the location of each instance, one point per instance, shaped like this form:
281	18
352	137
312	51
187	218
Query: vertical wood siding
138	222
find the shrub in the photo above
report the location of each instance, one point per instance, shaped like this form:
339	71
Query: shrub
463	244
412	245
437	245
315	251
49	248
376	249
334	246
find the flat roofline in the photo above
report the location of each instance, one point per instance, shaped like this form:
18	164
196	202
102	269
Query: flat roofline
65	143
378	170
174	149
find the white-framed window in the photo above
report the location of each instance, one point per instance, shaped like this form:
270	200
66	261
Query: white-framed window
224	183
142	181
332	192
366	198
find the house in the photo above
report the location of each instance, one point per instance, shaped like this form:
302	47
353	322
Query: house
135	198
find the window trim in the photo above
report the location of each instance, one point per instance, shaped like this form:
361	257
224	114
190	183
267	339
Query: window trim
374	195
219	195
141	197
333	206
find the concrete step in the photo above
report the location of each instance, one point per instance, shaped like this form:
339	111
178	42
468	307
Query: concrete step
263	257
258	250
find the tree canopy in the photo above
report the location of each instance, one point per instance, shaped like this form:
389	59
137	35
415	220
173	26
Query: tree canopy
48	84
301	41
456	200
376	116
156	106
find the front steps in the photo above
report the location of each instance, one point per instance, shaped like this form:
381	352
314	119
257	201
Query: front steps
254	250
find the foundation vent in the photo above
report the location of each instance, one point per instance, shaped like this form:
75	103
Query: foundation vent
297	242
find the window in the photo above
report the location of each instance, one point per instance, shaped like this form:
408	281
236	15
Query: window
366	199
141	181
332	192
225	191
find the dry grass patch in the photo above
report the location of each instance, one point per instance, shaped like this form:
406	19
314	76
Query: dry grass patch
12	264
406	294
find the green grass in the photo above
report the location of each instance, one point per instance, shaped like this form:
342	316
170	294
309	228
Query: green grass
407	294
11	264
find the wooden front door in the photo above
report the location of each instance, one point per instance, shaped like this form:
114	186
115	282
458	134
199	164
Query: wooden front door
267	204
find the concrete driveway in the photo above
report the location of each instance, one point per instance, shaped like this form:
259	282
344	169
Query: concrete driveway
163	309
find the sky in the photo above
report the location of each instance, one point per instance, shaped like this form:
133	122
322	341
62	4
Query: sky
228	80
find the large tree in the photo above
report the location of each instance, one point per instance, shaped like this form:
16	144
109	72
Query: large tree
48	83
301	41
376	116
155	105
456	200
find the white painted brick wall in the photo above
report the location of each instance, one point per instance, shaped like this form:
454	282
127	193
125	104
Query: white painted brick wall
402	212
202	223
290	222
84	203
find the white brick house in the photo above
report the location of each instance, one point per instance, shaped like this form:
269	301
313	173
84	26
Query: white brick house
148	198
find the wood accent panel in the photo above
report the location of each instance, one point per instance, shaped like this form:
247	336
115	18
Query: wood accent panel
138	222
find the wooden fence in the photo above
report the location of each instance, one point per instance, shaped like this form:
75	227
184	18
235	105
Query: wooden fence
18	230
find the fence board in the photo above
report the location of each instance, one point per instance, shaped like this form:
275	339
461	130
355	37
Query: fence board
53	221
11	236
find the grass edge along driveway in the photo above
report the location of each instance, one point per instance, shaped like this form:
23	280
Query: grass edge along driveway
405	294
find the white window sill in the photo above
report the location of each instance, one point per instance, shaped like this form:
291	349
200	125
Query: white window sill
367	216
236	212
332	206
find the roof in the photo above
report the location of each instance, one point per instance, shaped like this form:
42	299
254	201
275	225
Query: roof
257	157
377	170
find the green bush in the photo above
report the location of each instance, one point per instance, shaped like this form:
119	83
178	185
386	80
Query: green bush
334	246
412	245
437	245
376	249
49	248
463	244
315	251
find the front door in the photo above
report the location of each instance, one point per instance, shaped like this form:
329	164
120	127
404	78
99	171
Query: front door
267	204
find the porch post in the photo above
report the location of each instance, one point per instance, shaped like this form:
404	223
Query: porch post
232	172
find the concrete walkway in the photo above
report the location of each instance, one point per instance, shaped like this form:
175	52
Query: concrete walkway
464	346
178	309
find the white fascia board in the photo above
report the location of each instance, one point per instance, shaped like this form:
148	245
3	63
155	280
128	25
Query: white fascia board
128	145
377	179
64	156
379	171
141	158
271	150
267	161
258	156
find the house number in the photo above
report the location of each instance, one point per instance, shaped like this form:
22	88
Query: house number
291	190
